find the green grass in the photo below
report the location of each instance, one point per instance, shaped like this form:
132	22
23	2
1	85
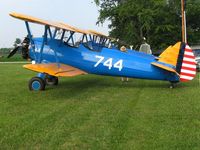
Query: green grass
97	112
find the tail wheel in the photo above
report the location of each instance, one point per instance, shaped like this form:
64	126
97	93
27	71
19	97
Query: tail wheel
49	80
36	84
173	85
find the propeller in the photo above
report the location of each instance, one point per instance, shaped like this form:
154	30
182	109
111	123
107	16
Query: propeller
24	47
13	52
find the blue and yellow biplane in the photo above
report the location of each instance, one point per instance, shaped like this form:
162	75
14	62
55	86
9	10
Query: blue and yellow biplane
59	54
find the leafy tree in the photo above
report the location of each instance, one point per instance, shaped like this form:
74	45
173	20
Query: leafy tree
17	41
4	51
157	20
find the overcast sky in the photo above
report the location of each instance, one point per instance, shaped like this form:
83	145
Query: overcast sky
79	13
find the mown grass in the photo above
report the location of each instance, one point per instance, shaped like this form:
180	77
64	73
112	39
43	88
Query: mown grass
97	112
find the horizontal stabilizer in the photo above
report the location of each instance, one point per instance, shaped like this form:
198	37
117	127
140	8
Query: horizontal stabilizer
164	66
54	69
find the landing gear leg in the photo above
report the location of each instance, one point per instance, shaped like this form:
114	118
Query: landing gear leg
51	80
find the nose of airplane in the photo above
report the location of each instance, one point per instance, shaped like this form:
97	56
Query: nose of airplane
24	47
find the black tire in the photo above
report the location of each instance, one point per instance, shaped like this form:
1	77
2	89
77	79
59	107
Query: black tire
173	85
51	80
36	84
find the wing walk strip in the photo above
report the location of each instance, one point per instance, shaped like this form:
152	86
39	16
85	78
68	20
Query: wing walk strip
188	69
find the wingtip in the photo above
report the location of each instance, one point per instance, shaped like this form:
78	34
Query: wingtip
13	14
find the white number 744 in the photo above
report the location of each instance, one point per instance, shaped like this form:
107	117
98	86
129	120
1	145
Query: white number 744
109	63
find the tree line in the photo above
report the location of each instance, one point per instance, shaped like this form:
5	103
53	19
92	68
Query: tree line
5	51
159	21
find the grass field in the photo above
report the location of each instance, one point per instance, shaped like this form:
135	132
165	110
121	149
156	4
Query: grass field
97	112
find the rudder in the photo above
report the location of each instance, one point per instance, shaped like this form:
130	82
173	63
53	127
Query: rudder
186	64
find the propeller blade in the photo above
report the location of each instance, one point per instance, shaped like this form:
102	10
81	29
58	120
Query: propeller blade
13	51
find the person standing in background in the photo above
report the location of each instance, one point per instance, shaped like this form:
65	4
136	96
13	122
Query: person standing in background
145	47
123	49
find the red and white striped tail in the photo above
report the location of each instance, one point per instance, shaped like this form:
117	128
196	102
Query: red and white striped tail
188	68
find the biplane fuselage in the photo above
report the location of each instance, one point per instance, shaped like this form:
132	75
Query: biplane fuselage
58	54
131	64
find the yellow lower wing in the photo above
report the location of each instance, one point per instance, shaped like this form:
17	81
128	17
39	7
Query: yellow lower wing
54	69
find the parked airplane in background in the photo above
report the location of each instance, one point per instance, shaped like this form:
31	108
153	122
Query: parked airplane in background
59	54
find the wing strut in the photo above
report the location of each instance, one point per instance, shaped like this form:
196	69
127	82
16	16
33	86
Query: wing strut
62	37
43	43
55	32
50	33
70	37
30	37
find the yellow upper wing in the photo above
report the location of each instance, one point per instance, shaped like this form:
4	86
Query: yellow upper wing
96	33
58	25
45	22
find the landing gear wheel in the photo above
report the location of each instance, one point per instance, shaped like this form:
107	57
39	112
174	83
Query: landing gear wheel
171	86
51	80
36	84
